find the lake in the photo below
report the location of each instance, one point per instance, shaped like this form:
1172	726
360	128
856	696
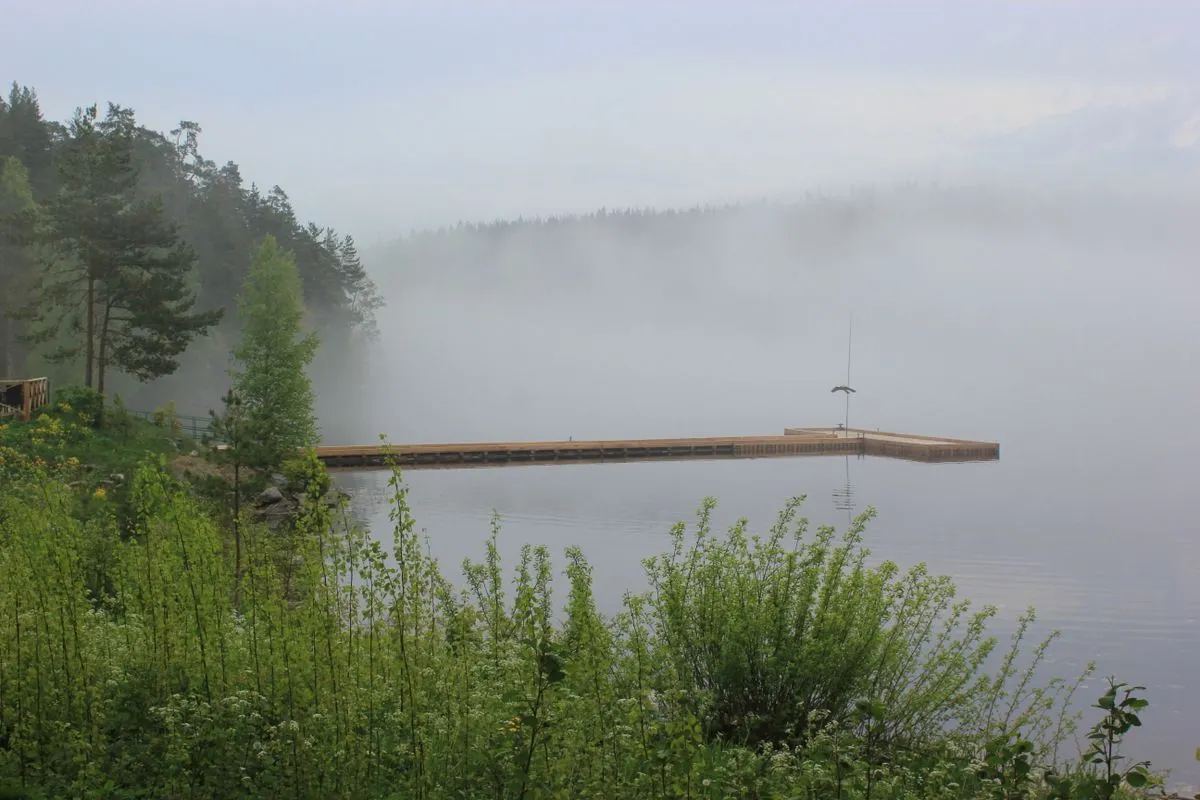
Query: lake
1072	340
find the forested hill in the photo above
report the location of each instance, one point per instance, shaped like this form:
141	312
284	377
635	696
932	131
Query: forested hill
671	250
626	257
220	217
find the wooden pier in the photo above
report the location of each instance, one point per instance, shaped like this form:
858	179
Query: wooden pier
794	442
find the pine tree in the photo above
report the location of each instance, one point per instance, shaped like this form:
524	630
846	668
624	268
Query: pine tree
363	295
18	215
119	275
272	356
25	135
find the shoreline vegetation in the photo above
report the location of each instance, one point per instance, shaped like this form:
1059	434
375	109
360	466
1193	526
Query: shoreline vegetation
153	644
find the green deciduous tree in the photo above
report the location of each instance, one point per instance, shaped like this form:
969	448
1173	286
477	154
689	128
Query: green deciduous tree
118	276
272	356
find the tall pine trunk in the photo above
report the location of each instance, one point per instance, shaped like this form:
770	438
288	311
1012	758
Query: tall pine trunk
7	367
91	326
102	350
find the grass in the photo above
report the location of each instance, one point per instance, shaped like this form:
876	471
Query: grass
119	444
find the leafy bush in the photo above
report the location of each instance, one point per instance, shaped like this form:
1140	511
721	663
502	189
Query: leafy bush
768	632
118	419
43	443
165	416
304	473
87	405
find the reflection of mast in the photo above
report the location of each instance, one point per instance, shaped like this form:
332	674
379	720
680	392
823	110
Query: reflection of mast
843	498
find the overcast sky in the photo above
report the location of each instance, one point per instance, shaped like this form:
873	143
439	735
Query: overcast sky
378	117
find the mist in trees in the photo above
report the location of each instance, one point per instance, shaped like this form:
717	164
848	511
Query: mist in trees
183	233
115	272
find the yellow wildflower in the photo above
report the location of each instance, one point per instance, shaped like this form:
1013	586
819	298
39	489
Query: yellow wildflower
99	493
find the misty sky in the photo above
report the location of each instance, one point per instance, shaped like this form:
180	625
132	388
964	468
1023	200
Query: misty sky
378	117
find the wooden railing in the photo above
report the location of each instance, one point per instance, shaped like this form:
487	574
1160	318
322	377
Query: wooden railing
197	428
30	394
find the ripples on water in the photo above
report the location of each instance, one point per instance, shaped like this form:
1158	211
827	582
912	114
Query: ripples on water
1129	601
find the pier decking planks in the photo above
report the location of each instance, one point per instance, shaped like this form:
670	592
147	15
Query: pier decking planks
794	442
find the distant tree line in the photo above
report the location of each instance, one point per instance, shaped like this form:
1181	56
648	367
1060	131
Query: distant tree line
672	249
668	247
121	247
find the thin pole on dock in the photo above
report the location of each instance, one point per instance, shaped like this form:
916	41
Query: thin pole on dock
849	343
849	491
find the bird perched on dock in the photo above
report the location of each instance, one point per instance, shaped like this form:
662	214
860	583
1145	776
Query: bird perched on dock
845	389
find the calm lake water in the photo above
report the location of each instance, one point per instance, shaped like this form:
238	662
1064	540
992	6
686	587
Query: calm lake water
1072	339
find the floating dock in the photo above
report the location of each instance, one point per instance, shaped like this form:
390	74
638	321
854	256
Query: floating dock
794	442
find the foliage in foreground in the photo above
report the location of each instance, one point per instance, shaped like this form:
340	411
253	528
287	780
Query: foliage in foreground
775	667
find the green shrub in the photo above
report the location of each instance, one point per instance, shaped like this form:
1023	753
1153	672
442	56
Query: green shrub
165	417
767	632
87	405
304	473
118	419
46	442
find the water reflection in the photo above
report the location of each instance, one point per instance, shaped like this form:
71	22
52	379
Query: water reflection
843	496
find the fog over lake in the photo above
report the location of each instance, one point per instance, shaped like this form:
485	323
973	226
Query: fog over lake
1060	324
